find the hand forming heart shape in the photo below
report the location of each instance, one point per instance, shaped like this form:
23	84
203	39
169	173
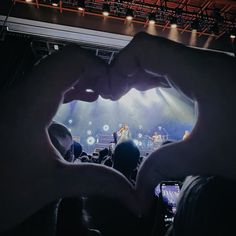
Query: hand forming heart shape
34	174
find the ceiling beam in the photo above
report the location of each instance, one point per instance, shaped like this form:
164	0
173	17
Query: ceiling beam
65	33
230	2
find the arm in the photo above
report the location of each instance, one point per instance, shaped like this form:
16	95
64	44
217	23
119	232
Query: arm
95	180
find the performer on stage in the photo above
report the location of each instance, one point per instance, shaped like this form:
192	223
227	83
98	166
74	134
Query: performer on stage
154	141
186	134
123	133
156	138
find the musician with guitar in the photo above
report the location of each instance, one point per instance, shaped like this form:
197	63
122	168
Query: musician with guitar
122	134
156	139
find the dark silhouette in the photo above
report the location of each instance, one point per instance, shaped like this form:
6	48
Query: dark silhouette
77	149
33	174
126	157
206	207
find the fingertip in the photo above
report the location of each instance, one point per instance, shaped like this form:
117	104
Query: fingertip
80	95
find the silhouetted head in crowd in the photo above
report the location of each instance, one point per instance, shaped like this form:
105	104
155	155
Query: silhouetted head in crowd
83	154
61	139
84	159
108	161
206	207
77	149
102	154
126	156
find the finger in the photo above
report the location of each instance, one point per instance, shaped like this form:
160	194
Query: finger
82	95
144	80
118	86
129	71
93	82
95	75
122	68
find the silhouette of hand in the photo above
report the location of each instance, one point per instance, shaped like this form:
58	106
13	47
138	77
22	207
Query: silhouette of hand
129	70
150	61
32	172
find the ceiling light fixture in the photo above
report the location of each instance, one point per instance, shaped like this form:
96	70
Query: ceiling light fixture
106	9
233	34
173	22
129	14
55	3
81	5
152	18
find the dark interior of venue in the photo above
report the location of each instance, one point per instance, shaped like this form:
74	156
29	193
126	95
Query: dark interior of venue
117	117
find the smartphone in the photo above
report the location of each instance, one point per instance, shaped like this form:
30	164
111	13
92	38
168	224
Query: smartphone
168	193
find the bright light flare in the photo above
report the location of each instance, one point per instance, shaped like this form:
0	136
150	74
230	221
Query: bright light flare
91	140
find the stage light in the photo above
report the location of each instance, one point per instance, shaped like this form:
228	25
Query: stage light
233	34
55	3
136	142
173	25
130	98
90	122
152	18
90	140
89	91
89	132
81	5
28	0
129	14
140	135
151	97
70	121
56	47
106	127
106	9
173	22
